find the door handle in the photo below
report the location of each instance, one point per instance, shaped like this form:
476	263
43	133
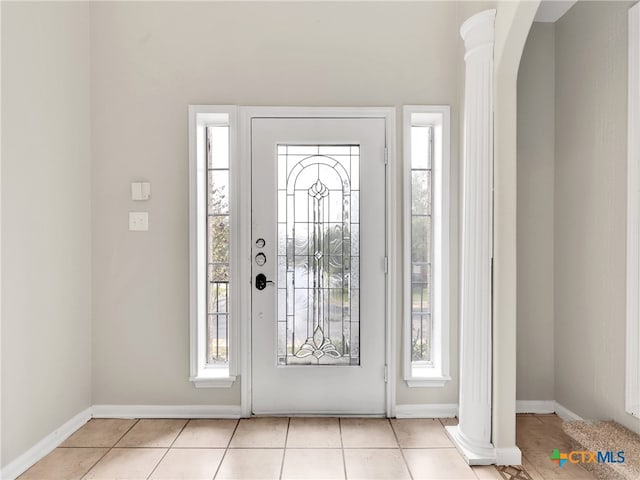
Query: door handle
261	281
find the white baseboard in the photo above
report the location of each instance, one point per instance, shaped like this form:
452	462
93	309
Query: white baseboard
427	410
508	456
535	406
166	411
45	446
566	414
546	406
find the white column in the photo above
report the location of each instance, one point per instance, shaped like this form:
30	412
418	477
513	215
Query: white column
472	436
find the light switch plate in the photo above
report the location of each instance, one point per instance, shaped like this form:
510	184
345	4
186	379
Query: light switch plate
138	221
140	191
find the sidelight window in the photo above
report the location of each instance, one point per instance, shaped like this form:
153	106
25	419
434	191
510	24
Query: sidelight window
211	245
426	318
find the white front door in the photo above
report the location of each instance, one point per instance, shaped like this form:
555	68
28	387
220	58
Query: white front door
318	273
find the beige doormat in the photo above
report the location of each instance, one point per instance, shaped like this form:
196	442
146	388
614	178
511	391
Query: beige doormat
607	437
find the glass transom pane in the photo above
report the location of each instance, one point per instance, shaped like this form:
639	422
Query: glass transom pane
318	255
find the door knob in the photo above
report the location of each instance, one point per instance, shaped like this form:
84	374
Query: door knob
261	281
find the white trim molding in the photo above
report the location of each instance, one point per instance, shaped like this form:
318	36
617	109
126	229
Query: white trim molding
45	446
435	372
546	407
245	289
427	410
202	374
392	288
166	411
535	406
427	381
472	436
566	414
222	381
632	391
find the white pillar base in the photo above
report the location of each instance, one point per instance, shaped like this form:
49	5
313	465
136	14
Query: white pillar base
508	456
474	453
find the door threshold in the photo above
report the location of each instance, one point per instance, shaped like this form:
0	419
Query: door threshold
318	415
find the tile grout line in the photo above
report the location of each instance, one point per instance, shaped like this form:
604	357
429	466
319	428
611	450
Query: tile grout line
227	448
404	459
267	448
284	450
110	448
344	459
170	446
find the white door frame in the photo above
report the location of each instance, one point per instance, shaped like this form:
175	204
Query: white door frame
392	289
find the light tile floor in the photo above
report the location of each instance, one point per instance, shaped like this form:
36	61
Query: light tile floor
258	448
291	448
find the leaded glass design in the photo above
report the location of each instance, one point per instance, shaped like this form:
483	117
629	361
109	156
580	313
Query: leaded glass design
421	248
318	255
218	291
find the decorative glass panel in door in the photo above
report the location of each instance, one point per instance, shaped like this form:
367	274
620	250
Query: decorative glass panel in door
318	255
315	348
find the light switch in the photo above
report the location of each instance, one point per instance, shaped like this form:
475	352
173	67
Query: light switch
140	191
138	221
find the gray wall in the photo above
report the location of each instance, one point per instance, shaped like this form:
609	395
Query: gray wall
589	215
536	132
46	229
149	61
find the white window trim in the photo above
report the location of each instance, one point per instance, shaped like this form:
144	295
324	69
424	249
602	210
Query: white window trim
437	374
632	394
201	373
